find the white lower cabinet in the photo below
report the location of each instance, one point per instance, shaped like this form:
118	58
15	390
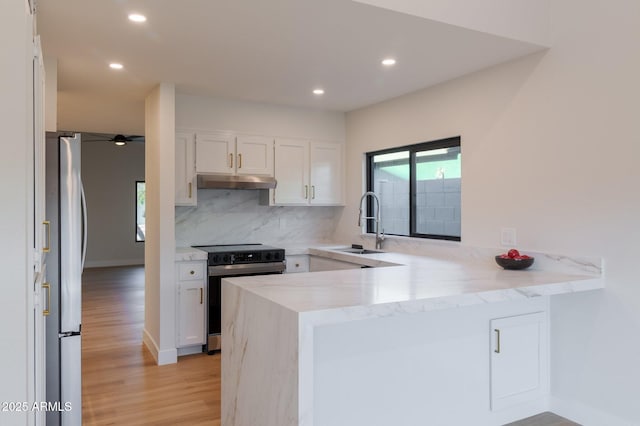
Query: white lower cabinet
519	359
297	263
191	302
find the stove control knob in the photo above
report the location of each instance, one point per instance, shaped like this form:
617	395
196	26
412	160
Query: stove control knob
225	258
268	256
277	255
216	258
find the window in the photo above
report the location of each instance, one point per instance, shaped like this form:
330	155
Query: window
140	210
419	189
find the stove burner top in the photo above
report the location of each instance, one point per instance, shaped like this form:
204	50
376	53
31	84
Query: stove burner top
231	254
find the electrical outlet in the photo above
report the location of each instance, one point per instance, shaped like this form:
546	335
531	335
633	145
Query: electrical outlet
508	237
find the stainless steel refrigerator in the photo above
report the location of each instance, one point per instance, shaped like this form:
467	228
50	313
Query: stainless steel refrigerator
67	213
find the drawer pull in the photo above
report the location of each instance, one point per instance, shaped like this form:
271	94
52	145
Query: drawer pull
201	295
497	349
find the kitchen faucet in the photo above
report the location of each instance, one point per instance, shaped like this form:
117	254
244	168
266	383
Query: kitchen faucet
379	237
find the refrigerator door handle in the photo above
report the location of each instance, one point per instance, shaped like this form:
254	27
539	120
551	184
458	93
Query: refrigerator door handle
85	227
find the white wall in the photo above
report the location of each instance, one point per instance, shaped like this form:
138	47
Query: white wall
208	113
159	301
525	20
109	175
550	146
223	217
80	112
16	191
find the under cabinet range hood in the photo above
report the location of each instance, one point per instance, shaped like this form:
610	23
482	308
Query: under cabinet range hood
213	181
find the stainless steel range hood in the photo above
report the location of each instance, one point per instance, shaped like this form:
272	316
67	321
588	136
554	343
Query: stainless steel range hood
211	181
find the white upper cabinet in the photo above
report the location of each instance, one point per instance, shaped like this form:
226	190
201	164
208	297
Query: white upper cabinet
215	153
291	172
327	170
225	153
308	173
186	192
254	155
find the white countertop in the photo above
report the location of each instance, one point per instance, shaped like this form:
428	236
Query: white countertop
409	283
188	254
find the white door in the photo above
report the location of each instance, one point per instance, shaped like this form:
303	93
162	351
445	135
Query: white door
215	153
519	359
254	155
186	193
327	171
292	172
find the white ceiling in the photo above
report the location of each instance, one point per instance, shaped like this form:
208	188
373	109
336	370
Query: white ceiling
273	51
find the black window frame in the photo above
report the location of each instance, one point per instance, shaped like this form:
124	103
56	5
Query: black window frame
452	142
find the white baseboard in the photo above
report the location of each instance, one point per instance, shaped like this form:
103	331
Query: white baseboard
162	357
190	350
585	415
112	262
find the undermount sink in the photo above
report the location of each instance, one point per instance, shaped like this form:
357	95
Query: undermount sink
359	251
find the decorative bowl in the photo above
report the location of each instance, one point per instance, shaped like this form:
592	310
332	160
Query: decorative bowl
509	263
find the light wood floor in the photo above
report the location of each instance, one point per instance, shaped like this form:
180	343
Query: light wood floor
121	384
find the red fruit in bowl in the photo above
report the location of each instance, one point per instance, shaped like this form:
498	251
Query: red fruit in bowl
513	253
524	256
504	256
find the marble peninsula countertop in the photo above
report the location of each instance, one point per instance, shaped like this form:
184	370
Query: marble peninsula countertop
403	283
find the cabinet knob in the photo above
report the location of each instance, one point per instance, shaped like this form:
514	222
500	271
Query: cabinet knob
297	265
192	272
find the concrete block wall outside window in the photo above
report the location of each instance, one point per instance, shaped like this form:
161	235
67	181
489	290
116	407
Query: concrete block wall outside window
438	206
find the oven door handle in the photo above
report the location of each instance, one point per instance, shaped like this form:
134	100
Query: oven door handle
246	268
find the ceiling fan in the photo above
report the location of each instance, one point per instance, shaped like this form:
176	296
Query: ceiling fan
118	139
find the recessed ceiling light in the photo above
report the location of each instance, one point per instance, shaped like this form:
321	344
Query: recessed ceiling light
115	66
388	62
318	91
136	17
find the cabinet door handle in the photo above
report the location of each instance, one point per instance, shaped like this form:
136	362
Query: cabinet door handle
190	187
497	349
313	192
306	192
231	161
239	161
201	295
47	287
47	247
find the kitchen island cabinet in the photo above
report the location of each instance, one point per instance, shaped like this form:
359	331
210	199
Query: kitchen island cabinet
519	359
405	342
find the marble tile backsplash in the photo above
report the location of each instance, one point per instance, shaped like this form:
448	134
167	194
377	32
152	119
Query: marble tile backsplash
236	216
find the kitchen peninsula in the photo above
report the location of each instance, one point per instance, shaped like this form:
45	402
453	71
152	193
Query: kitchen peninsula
404	341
